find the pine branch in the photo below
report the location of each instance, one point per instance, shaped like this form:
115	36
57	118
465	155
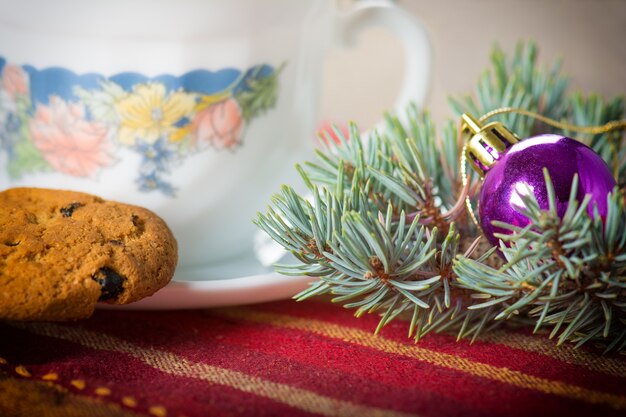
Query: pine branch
518	82
385	232
594	110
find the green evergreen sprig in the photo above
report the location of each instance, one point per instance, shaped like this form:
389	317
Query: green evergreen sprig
519	82
383	232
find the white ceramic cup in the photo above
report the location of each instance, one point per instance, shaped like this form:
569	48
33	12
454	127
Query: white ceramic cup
195	109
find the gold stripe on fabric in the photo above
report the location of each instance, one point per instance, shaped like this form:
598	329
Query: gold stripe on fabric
565	353
540	343
173	364
367	339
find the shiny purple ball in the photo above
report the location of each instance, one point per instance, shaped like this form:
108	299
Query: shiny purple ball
521	169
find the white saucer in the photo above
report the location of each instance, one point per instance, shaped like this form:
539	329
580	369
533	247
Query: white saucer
228	284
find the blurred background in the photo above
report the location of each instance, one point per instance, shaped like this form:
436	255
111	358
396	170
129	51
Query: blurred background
590	36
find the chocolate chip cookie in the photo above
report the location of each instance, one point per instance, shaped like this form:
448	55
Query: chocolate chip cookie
62	251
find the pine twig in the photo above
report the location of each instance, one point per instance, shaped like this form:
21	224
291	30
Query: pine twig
383	232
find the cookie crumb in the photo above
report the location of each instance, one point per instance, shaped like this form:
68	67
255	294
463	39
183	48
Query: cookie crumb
102	391
78	383
129	401
20	370
158	411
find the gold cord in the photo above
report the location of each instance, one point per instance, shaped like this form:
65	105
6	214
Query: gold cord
594	130
464	181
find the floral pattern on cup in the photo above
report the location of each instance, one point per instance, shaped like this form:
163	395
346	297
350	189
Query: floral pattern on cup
55	120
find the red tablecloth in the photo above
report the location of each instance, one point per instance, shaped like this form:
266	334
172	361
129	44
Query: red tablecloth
292	359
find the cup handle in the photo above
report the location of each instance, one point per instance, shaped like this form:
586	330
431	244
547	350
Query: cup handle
386	14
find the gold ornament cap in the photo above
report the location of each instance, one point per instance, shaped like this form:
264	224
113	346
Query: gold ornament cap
487	144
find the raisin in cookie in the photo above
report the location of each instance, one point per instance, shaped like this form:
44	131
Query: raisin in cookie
62	251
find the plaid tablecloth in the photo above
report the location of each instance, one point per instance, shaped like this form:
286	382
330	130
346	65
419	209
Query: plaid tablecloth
292	359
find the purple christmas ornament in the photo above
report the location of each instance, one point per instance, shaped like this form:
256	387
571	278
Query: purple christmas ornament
511	168
521	169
